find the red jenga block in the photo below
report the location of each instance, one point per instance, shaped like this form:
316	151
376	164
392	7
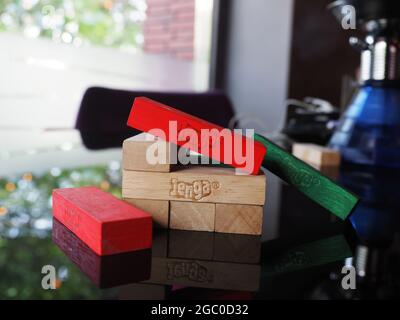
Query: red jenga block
147	115
106	224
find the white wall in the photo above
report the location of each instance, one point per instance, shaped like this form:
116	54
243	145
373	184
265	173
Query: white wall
41	86
42	83
256	77
257	63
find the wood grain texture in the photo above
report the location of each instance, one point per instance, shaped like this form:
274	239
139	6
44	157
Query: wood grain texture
147	114
308	180
106	224
332	172
158	209
316	155
192	216
241	219
195	184
205	274
134	152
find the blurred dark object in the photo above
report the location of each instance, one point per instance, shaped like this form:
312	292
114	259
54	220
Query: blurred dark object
310	120
104	271
376	223
104	112
349	90
376	219
320	54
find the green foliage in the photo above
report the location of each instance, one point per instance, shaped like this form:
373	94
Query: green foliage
115	23
25	233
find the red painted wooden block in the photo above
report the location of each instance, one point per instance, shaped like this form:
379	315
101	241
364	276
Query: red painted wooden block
147	114
106	224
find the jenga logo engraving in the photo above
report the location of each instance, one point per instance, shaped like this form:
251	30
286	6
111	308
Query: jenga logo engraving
195	190
301	178
192	271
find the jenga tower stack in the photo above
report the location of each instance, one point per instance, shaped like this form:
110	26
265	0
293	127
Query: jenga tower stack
190	197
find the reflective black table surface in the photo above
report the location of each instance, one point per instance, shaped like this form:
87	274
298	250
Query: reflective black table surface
303	253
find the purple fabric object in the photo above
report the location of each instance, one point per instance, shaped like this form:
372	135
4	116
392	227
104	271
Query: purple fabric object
104	112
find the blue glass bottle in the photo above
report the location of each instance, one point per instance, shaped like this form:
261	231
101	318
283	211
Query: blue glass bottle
369	131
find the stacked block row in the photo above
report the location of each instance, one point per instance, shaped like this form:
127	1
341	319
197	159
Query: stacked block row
190	197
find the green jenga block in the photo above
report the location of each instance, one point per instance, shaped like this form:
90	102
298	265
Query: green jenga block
307	180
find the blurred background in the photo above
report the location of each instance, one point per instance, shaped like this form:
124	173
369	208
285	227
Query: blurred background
54	50
259	53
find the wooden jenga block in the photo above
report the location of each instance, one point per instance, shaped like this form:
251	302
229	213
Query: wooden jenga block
147	114
191	245
329	171
106	224
192	216
308	180
195	184
241	219
137	149
158	209
316	155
